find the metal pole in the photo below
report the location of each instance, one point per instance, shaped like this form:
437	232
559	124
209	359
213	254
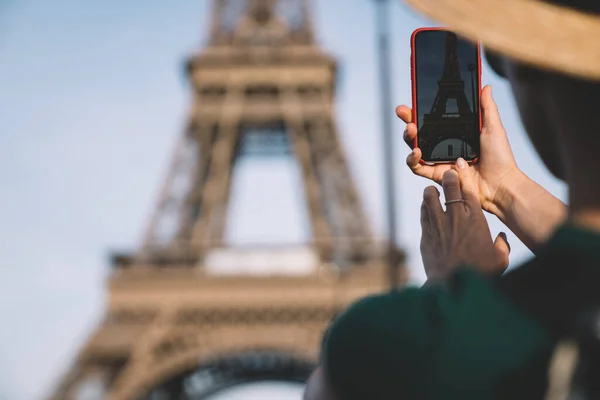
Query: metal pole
388	148
471	69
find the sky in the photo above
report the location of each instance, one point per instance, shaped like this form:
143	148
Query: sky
93	98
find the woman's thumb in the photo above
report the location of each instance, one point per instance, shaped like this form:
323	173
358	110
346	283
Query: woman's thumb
491	117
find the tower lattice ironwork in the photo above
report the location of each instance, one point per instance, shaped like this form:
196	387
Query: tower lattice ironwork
187	314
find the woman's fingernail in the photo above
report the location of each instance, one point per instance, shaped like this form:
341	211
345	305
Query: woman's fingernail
461	163
506	240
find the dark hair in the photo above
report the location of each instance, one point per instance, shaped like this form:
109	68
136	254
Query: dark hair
495	61
588	6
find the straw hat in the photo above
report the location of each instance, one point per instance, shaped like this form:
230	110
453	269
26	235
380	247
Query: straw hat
536	32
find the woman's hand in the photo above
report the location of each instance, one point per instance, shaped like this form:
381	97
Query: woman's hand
460	235
496	167
527	209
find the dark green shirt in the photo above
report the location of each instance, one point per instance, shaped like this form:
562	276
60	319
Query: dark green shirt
472	338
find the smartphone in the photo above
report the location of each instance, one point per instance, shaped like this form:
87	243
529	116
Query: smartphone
446	87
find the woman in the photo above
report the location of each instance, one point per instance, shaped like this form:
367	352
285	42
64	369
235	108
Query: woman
470	334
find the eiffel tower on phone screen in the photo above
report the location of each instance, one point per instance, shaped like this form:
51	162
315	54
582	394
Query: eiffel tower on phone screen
447	130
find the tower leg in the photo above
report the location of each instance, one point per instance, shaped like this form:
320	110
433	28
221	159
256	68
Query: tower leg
210	226
295	124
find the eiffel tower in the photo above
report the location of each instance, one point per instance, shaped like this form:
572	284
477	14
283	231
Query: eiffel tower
448	134
189	315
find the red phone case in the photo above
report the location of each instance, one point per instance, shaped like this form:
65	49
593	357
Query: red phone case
413	80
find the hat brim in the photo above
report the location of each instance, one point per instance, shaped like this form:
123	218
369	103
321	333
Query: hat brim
531	31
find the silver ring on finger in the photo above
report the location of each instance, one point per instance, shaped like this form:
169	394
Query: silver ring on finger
454	201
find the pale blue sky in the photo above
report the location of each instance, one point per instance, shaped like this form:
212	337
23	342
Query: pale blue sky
92	99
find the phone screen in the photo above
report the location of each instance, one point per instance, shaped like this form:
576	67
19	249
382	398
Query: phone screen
446	81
